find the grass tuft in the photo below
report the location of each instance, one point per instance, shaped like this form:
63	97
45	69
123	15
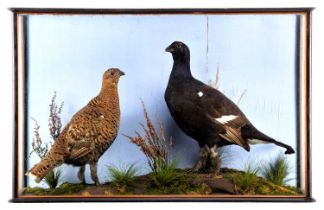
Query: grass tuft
249	177
247	180
165	175
277	170
53	177
170	180
123	176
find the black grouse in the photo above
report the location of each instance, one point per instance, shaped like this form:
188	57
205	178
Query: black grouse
206	114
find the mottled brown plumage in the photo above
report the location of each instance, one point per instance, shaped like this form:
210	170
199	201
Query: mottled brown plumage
89	133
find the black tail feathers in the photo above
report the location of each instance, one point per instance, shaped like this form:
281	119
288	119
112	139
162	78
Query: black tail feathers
250	132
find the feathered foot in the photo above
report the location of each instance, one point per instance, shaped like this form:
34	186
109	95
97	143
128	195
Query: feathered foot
213	163
81	174
201	163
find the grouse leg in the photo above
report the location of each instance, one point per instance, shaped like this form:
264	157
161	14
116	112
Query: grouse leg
81	174
203	155
93	170
214	162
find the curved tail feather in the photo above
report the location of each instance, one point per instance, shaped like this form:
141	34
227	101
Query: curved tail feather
41	169
250	132
54	158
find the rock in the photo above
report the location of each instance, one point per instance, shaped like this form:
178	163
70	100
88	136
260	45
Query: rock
218	185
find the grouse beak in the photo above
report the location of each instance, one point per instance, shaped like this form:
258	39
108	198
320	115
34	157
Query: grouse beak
121	73
169	49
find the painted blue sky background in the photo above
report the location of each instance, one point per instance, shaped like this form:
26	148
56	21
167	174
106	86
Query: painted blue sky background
68	54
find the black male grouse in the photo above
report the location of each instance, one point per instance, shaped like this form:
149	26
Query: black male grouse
206	114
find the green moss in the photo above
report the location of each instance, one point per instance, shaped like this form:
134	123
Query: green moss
63	189
36	191
174	182
258	185
247	181
201	189
167	181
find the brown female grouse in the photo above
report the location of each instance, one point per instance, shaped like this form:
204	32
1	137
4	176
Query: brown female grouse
89	133
205	114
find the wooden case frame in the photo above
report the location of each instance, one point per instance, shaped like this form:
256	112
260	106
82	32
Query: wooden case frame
20	97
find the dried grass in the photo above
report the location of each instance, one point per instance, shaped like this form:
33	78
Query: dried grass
153	143
54	120
40	147
216	82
